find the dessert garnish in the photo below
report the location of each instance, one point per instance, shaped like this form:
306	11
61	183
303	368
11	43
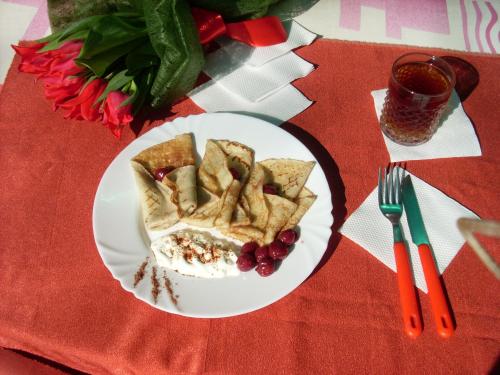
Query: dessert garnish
288	236
266	267
266	256
270	189
246	262
278	250
261	253
160	173
196	253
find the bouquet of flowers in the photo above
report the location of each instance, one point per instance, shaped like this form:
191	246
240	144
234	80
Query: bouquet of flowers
108	60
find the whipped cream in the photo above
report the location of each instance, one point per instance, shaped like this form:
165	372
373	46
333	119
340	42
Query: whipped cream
196	253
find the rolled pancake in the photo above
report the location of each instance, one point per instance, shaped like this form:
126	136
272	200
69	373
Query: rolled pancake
159	210
215	176
206	212
304	201
269	214
164	202
280	209
252	198
251	214
288	175
184	179
175	153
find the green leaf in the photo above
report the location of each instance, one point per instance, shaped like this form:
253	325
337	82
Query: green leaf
110	32
174	37
143	85
116	83
141	58
82	34
100	63
76	27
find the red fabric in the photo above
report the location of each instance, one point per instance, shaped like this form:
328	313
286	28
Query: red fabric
59	301
14	363
259	32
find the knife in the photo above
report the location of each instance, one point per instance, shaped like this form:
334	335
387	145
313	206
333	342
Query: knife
442	315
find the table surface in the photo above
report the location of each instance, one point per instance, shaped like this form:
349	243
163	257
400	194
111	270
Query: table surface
60	302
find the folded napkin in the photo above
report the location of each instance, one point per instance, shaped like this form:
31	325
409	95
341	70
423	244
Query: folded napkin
372	231
255	83
454	138
276	108
297	36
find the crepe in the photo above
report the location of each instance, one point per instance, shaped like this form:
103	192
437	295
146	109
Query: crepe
280	209
304	201
288	175
208	207
159	210
215	178
268	213
175	153
164	202
252	198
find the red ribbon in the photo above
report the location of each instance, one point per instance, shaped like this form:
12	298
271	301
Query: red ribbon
258	32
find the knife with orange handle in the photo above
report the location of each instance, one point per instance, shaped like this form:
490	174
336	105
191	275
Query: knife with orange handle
442	315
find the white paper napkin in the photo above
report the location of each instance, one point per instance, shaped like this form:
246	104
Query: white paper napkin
297	36
255	83
372	231
276	108
454	138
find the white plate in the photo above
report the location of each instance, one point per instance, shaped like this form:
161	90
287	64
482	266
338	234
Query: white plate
123	242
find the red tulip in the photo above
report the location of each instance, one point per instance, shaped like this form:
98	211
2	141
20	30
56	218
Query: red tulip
116	115
63	91
63	63
84	106
55	64
31	60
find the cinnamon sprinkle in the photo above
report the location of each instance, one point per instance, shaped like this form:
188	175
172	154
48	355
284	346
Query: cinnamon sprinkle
155	286
139	275
168	287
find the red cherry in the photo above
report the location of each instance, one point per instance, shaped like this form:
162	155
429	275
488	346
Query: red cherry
288	237
160	173
245	262
261	253
265	267
234	173
278	250
249	247
270	189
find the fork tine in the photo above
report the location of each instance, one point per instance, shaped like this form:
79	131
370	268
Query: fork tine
397	187
386	187
390	187
380	187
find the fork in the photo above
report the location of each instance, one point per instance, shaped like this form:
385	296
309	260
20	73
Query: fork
389	201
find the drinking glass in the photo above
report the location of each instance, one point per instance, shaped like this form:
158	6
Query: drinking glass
419	90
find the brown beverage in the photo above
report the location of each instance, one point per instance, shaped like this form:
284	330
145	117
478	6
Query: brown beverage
419	90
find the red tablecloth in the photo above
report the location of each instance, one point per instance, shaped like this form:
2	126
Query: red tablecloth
60	302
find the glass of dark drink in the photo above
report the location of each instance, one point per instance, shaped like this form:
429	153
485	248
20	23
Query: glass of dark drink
419	90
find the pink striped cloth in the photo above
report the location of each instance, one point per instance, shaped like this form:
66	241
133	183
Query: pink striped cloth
462	25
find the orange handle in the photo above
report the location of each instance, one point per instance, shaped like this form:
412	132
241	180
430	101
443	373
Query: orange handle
411	315
442	315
